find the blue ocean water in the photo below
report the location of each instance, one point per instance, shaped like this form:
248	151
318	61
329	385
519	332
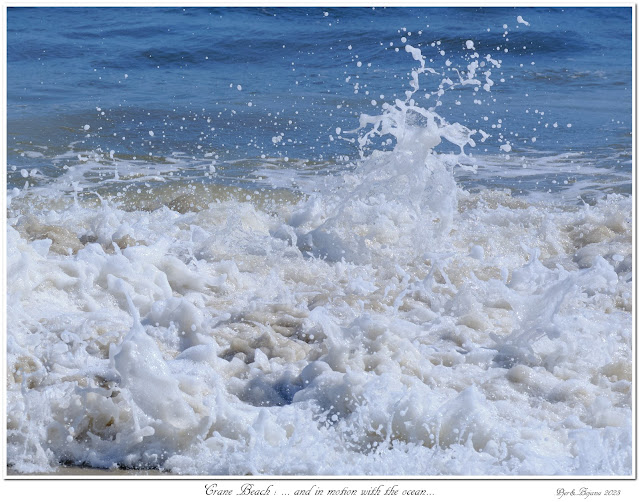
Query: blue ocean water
320	241
565	80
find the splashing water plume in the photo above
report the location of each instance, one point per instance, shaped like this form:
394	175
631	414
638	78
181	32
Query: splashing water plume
380	320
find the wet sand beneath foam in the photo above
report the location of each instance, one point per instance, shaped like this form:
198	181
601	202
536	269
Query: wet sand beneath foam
65	471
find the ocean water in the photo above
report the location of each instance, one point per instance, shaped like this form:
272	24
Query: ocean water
320	241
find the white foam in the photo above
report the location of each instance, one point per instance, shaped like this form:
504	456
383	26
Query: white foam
388	323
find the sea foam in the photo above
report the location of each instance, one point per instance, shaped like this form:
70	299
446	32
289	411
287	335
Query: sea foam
388	322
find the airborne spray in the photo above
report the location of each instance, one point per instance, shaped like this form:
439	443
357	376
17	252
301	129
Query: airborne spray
371	242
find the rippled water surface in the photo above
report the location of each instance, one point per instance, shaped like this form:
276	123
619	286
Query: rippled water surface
320	241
